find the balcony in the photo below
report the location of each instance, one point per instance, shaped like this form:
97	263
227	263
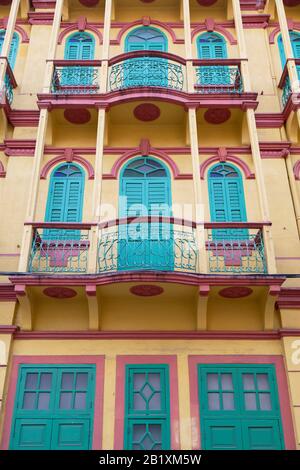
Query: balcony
76	77
218	76
9	84
147	69
148	244
285	83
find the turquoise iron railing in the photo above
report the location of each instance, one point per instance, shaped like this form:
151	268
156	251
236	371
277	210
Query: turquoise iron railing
79	77
285	82
9	83
218	76
146	69
59	248
147	245
235	248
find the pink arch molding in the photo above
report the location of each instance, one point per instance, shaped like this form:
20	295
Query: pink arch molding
229	158
62	158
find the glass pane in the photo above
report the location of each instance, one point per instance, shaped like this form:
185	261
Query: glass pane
31	381
138	402
138	381
213	401
29	401
45	381
228	401
154	381
248	382
147	442
80	401
263	382
82	381
212	382
250	401
226	380
136	447
138	432
67	381
65	402
155	431
265	401
147	391
43	401
155	402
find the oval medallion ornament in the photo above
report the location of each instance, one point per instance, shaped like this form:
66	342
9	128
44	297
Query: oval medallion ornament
60	292
89	3
235	292
146	290
217	115
146	112
77	115
206	3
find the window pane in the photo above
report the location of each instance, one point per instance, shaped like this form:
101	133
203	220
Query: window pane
228	401
31	381
45	381
29	401
138	381
65	401
139	403
82	381
138	432
213	401
263	382
80	401
67	381
212	382
43	401
147	442
265	401
147	391
155	431
250	401
226	380
248	382
154	381
155	402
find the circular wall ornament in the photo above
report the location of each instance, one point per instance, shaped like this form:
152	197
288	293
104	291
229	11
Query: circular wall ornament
235	292
291	3
217	115
77	115
146	112
89	3
60	292
146	290
206	3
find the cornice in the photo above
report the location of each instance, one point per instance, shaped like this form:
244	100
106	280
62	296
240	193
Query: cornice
7	293
289	298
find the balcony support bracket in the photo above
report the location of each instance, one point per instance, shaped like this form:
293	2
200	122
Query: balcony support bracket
202	301
26	305
93	306
269	306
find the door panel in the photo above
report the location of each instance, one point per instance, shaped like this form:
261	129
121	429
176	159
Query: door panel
222	434
262	435
71	434
32	434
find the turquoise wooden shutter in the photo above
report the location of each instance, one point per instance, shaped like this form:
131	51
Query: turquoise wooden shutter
13	48
73	203
56	201
212	46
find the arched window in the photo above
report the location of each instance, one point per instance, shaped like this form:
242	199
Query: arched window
80	46
295	41
65	196
13	48
226	198
146	39
211	46
145	190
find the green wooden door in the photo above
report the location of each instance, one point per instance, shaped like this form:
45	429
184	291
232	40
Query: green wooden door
239	407
147	408
54	408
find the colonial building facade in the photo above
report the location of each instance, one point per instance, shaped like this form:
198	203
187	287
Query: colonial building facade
150	223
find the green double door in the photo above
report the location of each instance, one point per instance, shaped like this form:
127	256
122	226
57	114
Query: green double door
54	408
239	408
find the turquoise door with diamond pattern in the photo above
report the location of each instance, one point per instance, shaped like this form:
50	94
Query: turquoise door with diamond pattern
53	408
145	191
147	407
146	71
239	407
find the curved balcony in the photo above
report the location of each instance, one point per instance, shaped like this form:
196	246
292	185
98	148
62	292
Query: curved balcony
9	84
218	76
76	77
147	69
285	83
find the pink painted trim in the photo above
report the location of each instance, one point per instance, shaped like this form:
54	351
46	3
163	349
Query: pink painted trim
7	292
218	28
230	158
297	170
2	170
152	22
122	361
62	158
285	405
133	55
18	28
74	27
24	117
98	403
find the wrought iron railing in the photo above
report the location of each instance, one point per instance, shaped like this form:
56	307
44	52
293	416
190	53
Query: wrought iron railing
218	76
59	248
235	248
146	69
285	82
162	244
9	83
76	77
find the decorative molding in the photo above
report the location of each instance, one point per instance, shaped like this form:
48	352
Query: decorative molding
127	26
269	120
18	29
289	297
60	292
222	157
41	17
146	290
69	28
211	25
236	292
2	170
297	170
295	26
24	117
20	147
7	293
68	156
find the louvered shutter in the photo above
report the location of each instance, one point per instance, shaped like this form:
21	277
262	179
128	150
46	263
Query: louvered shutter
86	51
73	51
234	201
217	200
55	210
73	201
